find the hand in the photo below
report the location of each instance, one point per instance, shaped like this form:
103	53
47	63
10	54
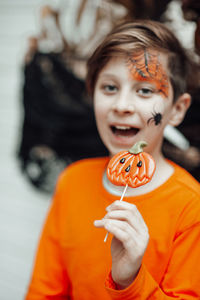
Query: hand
129	243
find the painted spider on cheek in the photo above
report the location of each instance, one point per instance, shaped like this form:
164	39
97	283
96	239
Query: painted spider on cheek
157	118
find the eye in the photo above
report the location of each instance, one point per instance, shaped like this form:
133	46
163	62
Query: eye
109	88
145	92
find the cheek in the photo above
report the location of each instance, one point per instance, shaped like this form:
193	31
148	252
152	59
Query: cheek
99	110
146	112
157	114
166	111
100	114
97	105
101	105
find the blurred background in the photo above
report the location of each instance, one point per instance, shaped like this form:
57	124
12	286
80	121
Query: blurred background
46	117
22	208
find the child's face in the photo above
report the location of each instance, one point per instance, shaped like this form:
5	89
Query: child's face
133	101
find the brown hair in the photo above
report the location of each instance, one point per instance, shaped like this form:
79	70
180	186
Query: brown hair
127	38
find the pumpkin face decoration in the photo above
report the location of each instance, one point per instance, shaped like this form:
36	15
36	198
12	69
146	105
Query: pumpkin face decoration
133	167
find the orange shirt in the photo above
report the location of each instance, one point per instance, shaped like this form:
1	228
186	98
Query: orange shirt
73	262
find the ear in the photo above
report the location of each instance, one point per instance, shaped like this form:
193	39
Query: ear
179	109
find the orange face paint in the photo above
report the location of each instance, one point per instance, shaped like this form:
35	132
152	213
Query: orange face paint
146	66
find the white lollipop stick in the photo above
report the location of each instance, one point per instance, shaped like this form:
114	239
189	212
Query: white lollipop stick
122	196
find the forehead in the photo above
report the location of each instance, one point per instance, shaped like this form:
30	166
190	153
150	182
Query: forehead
148	63
144	66
145	59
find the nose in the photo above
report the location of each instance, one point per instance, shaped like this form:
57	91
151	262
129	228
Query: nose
123	105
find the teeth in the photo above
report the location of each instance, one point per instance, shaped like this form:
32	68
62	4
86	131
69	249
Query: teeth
123	127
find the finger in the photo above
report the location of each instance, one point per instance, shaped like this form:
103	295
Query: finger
122	205
99	223
133	220
126	234
108	223
123	232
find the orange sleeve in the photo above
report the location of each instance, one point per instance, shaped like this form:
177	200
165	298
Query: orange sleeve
49	278
181	279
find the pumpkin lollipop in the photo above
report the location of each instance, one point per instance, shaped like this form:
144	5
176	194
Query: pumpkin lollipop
131	168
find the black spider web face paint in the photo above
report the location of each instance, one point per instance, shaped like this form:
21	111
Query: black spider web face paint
156	118
146	66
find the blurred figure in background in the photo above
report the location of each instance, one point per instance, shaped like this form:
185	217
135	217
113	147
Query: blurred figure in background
188	156
58	126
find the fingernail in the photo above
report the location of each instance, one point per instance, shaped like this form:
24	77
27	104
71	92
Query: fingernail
97	222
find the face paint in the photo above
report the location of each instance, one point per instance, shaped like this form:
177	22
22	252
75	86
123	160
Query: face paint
146	66
157	118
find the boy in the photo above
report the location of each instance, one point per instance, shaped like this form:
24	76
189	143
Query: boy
138	78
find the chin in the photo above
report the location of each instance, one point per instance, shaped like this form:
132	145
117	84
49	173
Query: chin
114	150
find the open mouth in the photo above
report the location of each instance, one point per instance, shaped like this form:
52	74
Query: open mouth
126	131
